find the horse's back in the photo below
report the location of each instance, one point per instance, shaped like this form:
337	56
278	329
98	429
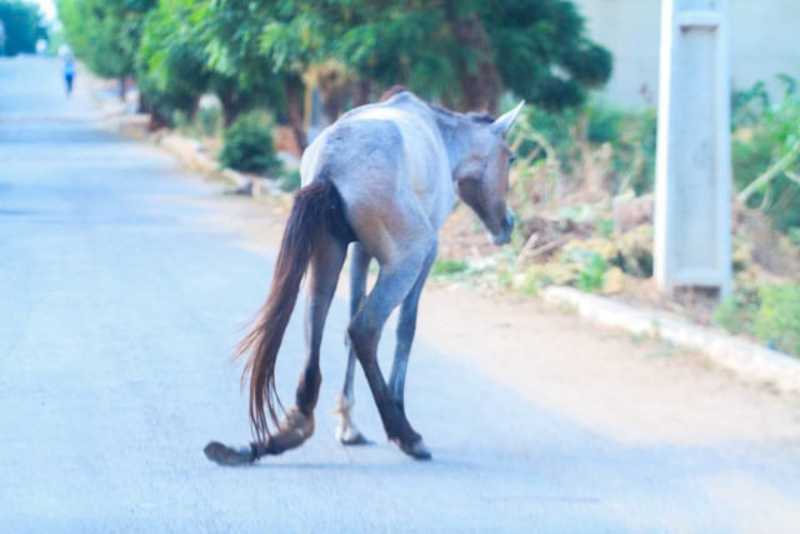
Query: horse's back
389	152
389	165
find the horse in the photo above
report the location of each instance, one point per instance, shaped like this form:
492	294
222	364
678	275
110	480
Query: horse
384	177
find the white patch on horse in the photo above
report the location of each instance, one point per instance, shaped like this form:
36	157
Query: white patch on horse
425	165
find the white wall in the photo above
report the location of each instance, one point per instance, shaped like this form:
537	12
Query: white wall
765	38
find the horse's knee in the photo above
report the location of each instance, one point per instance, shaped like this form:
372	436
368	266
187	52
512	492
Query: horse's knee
362	337
308	390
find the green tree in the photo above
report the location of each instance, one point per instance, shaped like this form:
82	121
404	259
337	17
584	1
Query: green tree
21	26
180	59
106	33
171	63
468	52
241	76
542	51
260	54
294	38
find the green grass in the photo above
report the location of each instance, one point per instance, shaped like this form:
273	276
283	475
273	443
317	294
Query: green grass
449	267
771	314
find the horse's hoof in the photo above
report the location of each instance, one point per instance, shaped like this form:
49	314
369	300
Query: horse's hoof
223	455
350	436
354	440
417	450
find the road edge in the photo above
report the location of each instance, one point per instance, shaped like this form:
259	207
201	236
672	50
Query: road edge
748	361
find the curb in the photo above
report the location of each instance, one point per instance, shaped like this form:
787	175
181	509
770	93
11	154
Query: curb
749	361
193	155
118	117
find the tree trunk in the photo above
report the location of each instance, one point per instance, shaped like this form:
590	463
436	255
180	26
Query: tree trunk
294	104
157	121
231	106
123	88
480	82
362	91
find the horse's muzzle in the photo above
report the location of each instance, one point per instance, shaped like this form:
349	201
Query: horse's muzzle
504	236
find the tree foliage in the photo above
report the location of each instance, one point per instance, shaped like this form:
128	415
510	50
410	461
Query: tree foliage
245	77
105	33
21	24
248	145
466	53
171	64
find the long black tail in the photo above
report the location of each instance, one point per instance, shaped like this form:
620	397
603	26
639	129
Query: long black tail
317	212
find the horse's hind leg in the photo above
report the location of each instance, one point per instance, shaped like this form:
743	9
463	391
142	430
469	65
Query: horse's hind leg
406	327
346	432
298	426
395	281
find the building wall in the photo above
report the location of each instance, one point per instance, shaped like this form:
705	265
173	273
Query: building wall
764	41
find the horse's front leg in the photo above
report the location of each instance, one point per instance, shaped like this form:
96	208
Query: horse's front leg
406	327
346	431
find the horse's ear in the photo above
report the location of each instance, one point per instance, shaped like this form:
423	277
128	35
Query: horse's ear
504	123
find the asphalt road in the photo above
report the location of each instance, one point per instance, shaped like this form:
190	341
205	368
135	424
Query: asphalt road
118	311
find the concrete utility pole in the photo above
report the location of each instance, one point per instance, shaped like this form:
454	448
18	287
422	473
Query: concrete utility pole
693	170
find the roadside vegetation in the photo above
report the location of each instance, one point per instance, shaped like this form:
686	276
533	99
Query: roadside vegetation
240	76
21	27
268	56
248	145
582	188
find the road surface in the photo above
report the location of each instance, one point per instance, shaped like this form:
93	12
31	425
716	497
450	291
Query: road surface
120	303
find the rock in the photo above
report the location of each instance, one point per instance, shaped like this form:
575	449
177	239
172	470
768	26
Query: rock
636	251
614	281
630	212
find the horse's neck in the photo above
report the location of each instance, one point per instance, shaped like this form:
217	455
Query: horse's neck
454	143
455	134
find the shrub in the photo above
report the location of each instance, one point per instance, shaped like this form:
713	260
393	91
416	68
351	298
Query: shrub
764	134
590	268
770	313
593	274
574	134
735	313
749	105
778	319
445	267
794	235
182	121
635	152
248	145
290	181
209	120
163	105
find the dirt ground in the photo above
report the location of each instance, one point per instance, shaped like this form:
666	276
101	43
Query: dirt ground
627	388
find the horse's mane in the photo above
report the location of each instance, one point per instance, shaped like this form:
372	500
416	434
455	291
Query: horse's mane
474	116
394	90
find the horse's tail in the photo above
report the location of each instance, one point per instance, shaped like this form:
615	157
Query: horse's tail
316	208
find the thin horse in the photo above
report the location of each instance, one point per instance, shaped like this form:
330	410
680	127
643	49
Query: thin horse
384	177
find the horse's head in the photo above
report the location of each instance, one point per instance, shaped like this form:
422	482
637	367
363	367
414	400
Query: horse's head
482	175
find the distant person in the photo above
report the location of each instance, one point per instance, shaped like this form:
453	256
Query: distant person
69	72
